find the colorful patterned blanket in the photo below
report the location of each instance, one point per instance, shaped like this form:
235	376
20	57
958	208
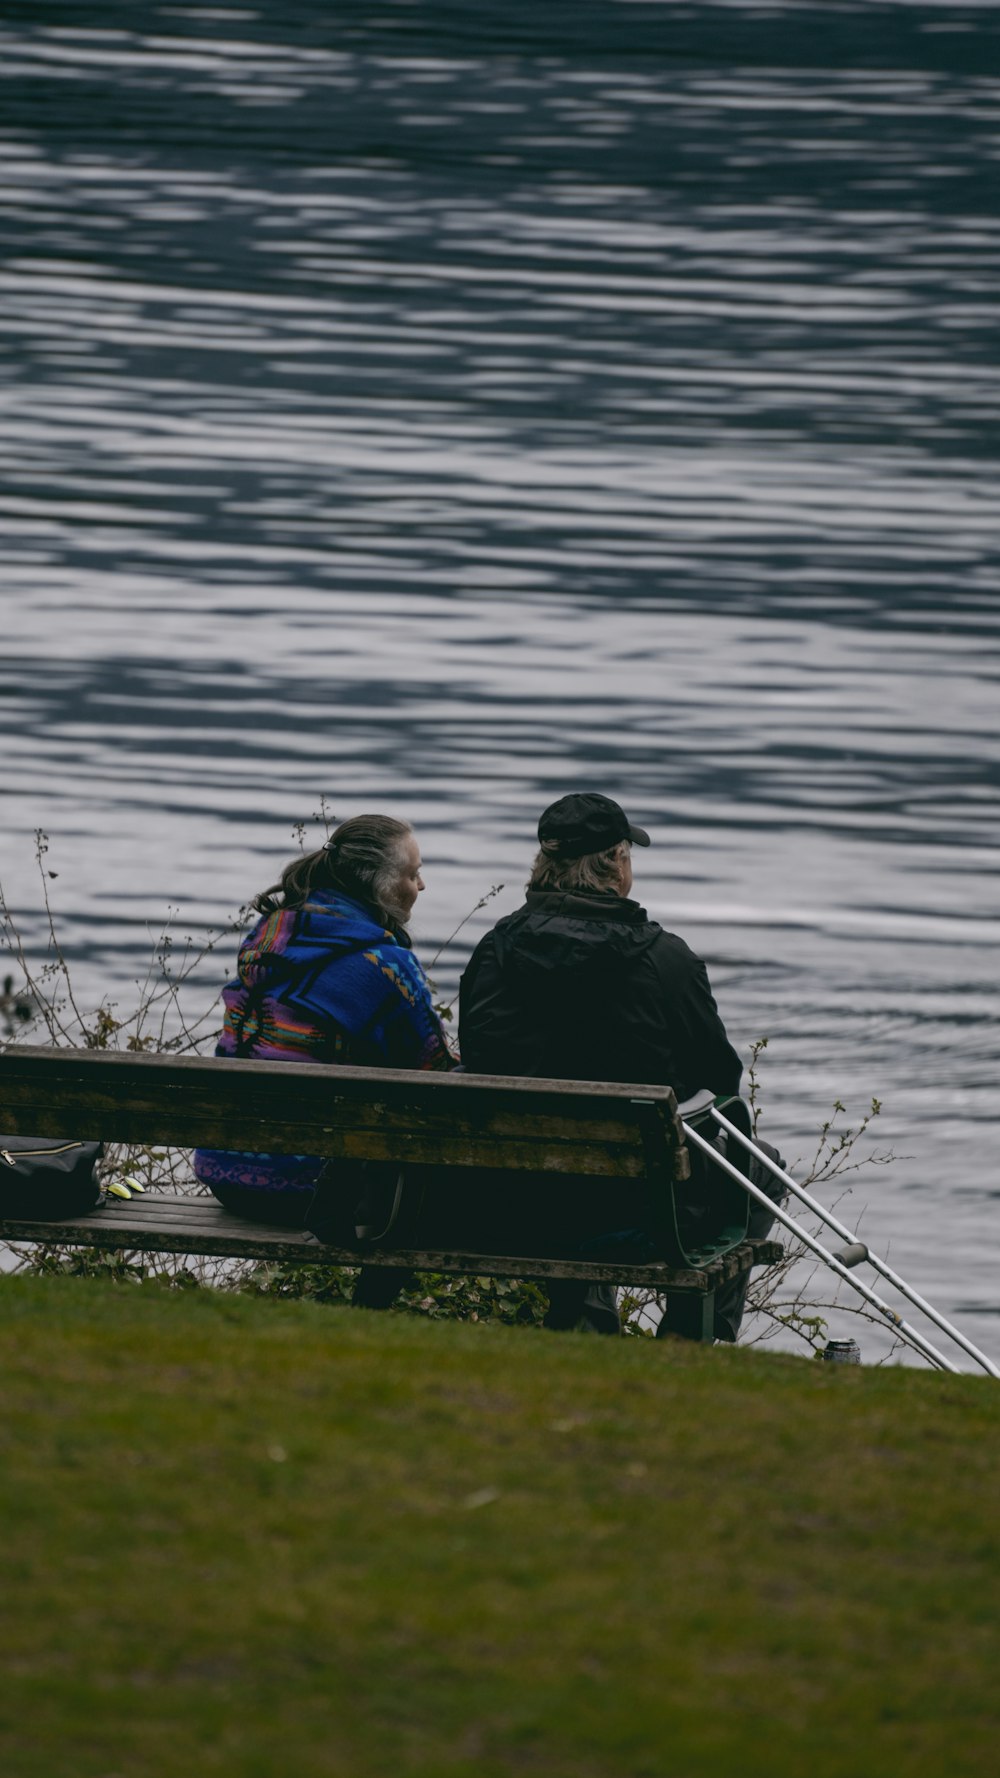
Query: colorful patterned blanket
322	983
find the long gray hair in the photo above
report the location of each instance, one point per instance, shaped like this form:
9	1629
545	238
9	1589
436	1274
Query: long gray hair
361	858
597	873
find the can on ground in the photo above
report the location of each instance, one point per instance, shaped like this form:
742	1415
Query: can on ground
842	1352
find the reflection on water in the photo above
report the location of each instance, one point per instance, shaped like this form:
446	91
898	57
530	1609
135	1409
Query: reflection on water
436	409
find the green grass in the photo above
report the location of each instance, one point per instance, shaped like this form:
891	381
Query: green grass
262	1538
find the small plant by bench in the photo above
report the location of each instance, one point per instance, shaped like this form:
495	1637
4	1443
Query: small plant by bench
615	1140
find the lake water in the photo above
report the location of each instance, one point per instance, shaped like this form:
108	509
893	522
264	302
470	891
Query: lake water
434	408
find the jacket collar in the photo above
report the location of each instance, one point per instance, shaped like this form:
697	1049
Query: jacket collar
582	906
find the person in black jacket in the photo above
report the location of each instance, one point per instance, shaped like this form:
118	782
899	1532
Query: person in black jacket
580	984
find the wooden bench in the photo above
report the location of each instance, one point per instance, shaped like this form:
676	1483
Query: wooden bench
611	1136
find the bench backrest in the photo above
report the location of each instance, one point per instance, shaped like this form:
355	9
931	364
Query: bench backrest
608	1130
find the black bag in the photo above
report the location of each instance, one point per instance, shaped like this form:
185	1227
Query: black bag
46	1181
359	1203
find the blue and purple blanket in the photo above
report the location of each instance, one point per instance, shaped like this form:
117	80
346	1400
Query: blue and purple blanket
321	983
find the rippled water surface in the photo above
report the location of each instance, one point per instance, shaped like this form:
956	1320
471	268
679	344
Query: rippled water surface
434	408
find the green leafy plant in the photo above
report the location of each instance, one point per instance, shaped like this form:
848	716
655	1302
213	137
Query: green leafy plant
435	1295
440	1296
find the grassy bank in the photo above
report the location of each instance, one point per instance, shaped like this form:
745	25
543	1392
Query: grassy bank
263	1538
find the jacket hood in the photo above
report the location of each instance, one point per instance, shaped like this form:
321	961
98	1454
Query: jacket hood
555	933
328	926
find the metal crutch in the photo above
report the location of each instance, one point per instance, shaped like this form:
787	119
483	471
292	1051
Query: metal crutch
856	1251
910	1334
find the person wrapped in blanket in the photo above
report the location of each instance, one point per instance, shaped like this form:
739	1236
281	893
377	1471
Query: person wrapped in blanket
327	975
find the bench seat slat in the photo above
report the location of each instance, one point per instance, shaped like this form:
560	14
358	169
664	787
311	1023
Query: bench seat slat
160	1223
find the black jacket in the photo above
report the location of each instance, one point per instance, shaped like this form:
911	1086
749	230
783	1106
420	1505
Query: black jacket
587	987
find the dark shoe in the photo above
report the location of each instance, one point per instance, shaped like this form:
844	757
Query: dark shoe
378	1287
586	1308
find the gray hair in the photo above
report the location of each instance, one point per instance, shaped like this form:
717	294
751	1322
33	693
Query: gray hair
596	872
361	858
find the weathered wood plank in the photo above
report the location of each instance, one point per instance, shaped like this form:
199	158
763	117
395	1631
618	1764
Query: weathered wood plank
592	1128
159	1223
129	1068
262	1136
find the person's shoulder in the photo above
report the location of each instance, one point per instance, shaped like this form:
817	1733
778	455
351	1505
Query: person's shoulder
486	953
487	939
330	916
647	932
672	940
386	948
668	950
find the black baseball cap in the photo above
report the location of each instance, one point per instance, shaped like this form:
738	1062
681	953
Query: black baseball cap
585	822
